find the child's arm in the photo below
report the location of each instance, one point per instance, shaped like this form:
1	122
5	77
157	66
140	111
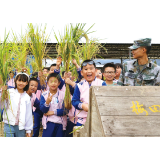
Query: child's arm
78	70
76	99
72	85
58	112
57	70
45	104
37	104
28	118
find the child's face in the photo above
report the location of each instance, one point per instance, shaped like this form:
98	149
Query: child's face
89	72
118	71
20	84
33	86
11	75
109	73
52	69
45	72
99	74
53	83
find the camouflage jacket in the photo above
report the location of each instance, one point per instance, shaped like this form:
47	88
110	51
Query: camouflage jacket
132	76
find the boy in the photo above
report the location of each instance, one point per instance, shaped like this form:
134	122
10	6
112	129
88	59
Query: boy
45	72
52	68
54	120
11	83
80	98
35	103
109	72
118	72
99	74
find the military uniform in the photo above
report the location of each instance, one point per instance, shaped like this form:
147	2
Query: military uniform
134	74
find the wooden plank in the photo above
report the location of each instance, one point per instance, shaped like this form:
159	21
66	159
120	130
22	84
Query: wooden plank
96	124
131	125
127	91
122	105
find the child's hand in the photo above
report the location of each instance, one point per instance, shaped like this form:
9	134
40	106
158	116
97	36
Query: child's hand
28	135
49	99
59	61
85	107
74	62
67	75
49	113
40	73
4	88
68	81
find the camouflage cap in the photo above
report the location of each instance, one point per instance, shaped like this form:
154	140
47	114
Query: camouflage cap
141	42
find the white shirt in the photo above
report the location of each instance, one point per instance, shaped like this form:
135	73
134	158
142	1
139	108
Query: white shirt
25	115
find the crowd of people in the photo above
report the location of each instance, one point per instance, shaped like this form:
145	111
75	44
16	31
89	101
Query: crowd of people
28	98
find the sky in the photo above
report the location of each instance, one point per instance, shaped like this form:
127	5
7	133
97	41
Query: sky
105	32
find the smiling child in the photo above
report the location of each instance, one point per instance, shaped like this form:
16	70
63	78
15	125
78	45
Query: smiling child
80	98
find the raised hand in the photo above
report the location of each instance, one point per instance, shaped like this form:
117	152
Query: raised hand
49	99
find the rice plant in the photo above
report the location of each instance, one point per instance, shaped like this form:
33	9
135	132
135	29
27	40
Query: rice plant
89	50
64	49
38	42
20	49
67	48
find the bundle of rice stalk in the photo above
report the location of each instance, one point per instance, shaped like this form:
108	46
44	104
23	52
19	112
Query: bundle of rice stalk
78	33
38	43
20	49
6	63
90	50
64	49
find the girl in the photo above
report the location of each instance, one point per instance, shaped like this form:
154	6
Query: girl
17	115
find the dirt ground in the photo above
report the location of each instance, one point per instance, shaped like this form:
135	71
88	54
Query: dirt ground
2	134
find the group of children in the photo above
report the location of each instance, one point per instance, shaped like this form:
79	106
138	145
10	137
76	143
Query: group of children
27	98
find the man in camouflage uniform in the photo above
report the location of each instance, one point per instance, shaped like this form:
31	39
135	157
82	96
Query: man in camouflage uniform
140	72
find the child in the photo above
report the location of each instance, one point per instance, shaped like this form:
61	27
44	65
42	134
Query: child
80	98
45	72
52	68
11	83
35	103
54	120
99	74
109	72
118	71
17	115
